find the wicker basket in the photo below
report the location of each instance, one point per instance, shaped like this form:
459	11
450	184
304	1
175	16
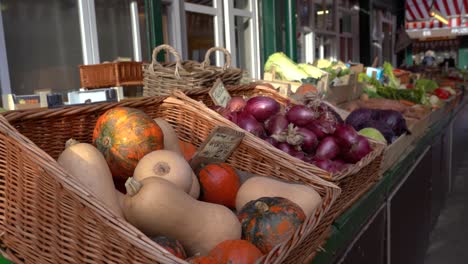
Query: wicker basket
112	74
254	89
47	217
162	79
354	181
229	75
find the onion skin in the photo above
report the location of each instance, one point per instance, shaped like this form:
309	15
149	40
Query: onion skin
276	124
301	115
262	107
357	151
328	148
236	104
345	135
247	122
271	141
310	140
298	154
315	127
325	164
285	147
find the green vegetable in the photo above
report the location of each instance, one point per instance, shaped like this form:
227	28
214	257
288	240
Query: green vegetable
373	133
393	81
285	68
428	85
311	70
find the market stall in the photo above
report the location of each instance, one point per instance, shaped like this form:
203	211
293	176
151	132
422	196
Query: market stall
351	161
226	158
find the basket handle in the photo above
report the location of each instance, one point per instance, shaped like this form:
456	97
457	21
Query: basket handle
171	50
227	64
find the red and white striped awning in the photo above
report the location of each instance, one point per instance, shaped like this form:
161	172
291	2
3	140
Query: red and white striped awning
418	13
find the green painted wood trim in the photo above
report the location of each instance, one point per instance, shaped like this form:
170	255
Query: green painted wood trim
153	12
409	56
290	23
269	28
463	58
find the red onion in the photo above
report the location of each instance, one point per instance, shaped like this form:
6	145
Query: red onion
345	135
236	104
231	116
315	127
308	159
285	147
217	108
327	149
262	107
276	124
250	124
357	151
298	154
271	141
340	164
310	140
325	164
300	115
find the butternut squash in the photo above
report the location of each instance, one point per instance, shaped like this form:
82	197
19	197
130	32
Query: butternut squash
256	187
171	141
87	164
195	189
157	207
166	164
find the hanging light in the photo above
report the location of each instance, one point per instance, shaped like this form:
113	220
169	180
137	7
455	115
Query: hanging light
439	17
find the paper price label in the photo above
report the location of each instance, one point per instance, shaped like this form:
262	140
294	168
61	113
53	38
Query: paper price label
218	146
219	94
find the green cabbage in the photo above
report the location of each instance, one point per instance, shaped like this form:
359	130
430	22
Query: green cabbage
311	70
285	68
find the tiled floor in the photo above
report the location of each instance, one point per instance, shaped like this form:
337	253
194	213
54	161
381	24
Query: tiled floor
449	240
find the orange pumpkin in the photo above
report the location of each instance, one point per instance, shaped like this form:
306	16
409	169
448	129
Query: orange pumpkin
171	245
202	260
187	149
269	221
219	184
236	252
124	135
306	88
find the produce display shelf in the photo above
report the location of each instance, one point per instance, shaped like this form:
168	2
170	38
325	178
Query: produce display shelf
348	225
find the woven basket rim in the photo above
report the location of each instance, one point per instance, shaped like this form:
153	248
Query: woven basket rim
329	190
378	147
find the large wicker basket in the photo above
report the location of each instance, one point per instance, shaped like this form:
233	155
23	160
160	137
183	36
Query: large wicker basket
354	180
48	217
161	79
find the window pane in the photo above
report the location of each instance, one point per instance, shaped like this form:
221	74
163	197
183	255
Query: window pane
43	44
243	26
114	29
242	4
303	13
324	15
345	22
200	35
324	47
201	2
343	55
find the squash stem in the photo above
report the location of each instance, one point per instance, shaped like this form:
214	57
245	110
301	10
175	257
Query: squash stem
71	142
133	186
